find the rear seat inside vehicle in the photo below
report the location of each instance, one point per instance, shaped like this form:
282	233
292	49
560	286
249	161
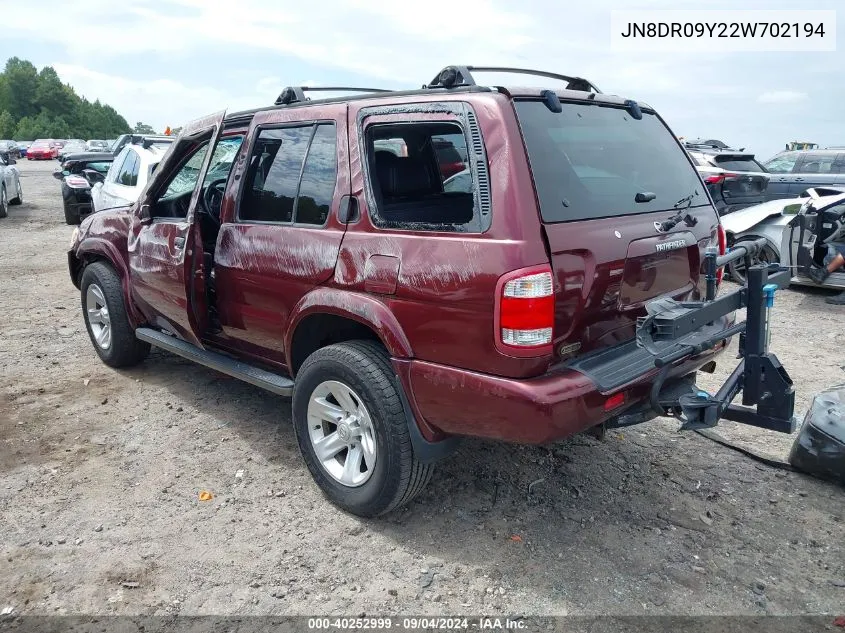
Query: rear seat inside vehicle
411	192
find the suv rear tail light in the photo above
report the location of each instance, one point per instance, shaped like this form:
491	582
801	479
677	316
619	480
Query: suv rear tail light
77	182
525	312
718	178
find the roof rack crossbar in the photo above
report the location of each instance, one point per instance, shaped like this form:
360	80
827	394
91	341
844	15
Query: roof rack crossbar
296	94
454	76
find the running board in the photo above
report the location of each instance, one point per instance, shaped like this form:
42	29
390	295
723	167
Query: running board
229	366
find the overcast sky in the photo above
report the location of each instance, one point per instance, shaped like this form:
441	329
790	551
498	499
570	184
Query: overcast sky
167	61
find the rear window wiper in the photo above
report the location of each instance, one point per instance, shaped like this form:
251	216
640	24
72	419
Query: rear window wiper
686	218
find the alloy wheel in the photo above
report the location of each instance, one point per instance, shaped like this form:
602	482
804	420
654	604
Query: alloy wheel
97	313
342	434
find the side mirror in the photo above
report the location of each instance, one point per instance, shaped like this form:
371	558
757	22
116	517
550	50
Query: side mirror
93	176
59	174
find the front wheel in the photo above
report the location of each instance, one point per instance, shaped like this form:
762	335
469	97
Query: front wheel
106	319
4	203
352	430
736	269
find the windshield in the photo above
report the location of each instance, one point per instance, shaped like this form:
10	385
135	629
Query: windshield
591	161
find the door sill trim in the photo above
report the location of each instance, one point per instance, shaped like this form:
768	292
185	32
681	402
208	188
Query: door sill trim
275	383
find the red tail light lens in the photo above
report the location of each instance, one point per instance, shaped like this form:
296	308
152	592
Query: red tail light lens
718	178
77	182
723	248
615	401
525	312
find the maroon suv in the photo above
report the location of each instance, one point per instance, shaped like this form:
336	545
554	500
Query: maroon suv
318	249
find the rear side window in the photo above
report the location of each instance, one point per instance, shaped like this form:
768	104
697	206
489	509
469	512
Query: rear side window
591	161
816	163
128	174
292	175
420	176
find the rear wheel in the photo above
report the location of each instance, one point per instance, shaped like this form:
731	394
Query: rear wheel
352	430
106	319
71	216
736	269
4	202
18	199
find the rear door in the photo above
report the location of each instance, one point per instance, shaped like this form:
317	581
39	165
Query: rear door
606	181
282	236
781	170
165	243
814	169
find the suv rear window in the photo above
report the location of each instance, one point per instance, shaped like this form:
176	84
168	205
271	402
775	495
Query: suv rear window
738	163
591	161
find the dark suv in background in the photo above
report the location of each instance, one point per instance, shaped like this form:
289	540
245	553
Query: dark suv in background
312	248
734	178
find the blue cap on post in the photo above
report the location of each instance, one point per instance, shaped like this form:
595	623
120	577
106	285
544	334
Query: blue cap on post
769	293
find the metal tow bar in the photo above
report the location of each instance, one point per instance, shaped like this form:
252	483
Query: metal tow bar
768	394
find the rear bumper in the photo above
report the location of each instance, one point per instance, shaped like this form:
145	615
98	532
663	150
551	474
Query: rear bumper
530	411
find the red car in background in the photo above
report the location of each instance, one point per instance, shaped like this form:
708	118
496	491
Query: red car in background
43	149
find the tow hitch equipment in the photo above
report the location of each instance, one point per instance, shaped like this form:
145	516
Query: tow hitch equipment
763	381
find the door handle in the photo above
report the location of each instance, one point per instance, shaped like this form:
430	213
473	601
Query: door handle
179	243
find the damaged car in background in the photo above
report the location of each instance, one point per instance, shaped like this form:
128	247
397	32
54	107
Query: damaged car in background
76	176
768	221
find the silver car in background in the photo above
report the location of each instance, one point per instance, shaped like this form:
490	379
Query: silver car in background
10	183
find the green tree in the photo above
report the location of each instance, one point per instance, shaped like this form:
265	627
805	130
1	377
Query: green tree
52	96
31	128
21	86
7	125
143	128
40	105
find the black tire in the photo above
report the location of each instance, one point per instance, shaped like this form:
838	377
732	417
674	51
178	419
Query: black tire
736	269
124	350
4	202
18	199
72	217
397	476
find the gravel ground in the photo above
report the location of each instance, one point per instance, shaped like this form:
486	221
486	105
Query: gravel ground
100	472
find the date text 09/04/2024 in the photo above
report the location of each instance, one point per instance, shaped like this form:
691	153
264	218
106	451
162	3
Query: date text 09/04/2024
417	623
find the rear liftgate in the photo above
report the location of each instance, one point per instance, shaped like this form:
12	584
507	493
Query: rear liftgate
763	381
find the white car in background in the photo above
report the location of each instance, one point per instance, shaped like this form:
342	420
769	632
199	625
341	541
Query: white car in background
128	175
769	220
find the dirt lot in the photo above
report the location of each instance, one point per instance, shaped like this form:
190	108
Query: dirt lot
100	472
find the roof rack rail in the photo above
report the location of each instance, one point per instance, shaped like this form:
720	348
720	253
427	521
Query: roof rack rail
455	76
148	140
296	94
